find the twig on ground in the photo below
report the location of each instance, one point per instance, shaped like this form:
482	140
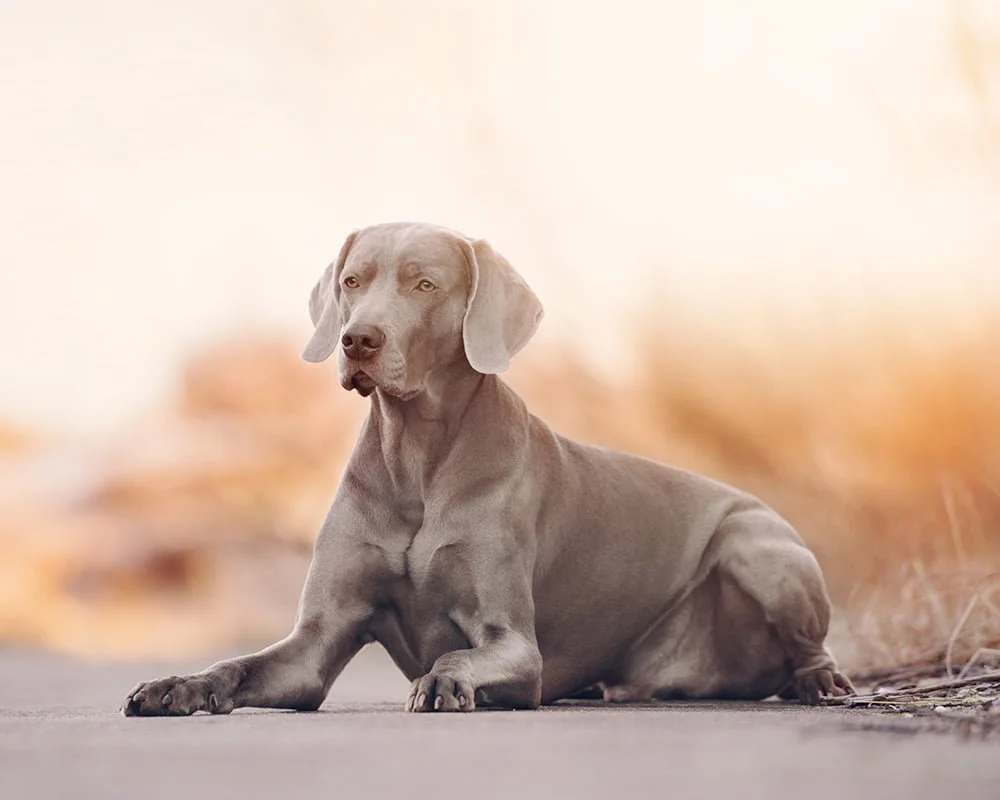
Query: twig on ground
966	706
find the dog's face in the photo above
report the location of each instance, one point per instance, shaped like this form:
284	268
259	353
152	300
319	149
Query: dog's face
403	299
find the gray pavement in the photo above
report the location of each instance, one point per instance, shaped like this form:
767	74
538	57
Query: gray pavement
61	737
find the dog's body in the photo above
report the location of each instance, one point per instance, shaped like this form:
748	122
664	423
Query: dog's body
495	560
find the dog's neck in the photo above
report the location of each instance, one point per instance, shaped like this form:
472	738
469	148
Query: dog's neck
445	395
416	435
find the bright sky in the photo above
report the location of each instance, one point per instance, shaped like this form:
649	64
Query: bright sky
174	171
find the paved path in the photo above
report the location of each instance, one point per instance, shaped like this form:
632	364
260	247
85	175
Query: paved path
61	737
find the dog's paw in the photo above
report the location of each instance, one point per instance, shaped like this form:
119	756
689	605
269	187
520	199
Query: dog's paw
176	697
811	686
440	693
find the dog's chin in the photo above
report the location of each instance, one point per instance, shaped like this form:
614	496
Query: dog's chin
364	384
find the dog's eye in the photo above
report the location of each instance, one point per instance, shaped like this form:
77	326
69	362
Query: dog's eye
426	286
351	282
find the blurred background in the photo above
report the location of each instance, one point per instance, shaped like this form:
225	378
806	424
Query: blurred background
766	233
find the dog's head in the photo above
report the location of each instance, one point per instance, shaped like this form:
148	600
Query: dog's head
403	299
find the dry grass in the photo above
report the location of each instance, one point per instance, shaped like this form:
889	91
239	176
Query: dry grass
947	616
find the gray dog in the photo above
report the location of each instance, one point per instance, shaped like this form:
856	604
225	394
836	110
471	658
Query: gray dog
497	562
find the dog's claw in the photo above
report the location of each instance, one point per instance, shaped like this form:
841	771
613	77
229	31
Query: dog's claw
440	693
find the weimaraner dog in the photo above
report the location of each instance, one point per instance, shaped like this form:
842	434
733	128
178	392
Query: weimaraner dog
497	562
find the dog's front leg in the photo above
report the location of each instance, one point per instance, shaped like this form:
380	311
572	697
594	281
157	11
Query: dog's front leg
297	672
505	671
294	673
504	666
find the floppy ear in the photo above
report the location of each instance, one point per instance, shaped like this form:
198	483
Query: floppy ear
323	308
502	314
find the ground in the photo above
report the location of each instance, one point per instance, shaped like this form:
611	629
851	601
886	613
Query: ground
61	736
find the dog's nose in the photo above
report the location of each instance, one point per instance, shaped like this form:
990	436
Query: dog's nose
362	342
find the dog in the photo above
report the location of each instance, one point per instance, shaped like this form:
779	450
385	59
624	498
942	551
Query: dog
496	561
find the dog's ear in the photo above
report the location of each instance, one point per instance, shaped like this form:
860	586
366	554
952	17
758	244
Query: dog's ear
502	312
324	308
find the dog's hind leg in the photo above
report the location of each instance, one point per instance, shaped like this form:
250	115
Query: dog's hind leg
768	561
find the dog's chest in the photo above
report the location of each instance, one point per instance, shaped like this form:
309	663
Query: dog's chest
433	574
429	593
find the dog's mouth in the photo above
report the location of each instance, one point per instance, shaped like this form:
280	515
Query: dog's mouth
362	383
